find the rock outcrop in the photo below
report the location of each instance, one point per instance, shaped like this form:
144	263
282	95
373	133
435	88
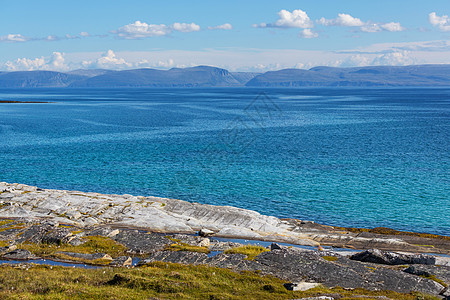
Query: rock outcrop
176	216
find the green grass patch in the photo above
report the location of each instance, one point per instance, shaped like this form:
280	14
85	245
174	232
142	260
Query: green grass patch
186	247
93	244
4	243
5	221
15	226
251	251
160	280
330	258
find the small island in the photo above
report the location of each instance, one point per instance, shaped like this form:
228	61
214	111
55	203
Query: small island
8	101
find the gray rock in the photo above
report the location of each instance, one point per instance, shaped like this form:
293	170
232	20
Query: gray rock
301	286
19	254
141	241
7	249
299	266
205	232
204	243
122	261
392	258
58	236
441	272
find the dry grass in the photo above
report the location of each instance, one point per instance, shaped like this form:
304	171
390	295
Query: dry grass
161	280
93	244
390	231
251	251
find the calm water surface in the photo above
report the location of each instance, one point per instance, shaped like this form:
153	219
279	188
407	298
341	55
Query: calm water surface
351	157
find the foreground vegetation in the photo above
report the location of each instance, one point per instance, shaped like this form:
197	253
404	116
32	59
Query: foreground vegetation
160	280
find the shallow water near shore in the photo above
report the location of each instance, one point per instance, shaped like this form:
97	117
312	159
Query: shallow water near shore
346	157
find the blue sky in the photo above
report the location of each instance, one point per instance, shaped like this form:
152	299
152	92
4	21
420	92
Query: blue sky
237	35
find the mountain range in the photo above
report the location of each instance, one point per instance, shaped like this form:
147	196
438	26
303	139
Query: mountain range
206	76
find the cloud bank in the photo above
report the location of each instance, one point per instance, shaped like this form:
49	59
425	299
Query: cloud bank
254	60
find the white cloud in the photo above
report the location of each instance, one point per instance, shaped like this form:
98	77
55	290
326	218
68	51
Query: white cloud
308	34
341	20
138	29
226	26
443	23
349	21
185	27
295	19
373	27
394	59
84	34
14	38
55	62
392	26
108	60
357	60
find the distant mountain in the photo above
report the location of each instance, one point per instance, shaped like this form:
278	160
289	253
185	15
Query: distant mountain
417	75
89	72
202	76
244	77
205	76
32	79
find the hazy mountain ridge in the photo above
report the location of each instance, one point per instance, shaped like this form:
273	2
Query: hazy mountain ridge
206	76
415	75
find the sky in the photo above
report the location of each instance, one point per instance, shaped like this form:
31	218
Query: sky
252	35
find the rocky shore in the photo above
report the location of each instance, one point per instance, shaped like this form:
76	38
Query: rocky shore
111	230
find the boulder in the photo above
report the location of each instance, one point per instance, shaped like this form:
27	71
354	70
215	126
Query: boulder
392	258
301	286
141	242
440	272
204	243
19	254
205	232
7	249
58	236
122	261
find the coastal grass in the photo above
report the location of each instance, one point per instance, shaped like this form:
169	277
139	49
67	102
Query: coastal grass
186	247
252	251
5	221
390	231
160	280
434	278
4	243
93	244
330	258
178	245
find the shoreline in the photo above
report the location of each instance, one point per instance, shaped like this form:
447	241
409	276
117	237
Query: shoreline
165	215
120	232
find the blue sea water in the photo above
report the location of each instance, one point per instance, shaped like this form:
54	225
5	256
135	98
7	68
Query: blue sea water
348	157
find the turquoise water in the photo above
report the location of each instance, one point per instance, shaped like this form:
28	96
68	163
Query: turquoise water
349	157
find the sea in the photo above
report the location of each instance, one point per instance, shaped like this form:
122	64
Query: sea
353	157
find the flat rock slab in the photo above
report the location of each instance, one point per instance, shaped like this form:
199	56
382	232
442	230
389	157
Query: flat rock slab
177	216
19	254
